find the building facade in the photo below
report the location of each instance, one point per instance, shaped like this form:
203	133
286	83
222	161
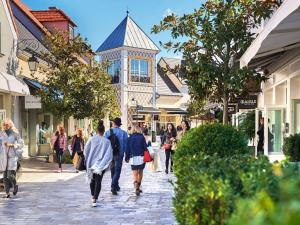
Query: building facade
131	55
276	52
11	86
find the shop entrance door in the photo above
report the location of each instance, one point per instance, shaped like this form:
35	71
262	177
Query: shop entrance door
275	130
296	116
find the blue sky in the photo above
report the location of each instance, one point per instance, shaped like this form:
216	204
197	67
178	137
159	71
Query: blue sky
96	19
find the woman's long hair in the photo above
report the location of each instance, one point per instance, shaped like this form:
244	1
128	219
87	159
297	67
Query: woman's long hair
11	125
60	130
80	132
188	127
173	130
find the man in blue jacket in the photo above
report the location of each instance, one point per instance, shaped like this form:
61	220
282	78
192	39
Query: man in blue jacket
116	168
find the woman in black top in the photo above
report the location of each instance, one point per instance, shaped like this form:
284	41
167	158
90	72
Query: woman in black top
77	144
169	140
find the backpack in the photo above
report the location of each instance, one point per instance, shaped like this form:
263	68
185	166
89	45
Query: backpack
114	141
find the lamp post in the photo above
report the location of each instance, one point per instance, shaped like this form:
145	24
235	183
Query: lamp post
134	101
31	45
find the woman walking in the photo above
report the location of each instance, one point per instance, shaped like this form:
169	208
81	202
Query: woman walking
136	145
10	151
170	139
77	145
184	128
59	144
98	156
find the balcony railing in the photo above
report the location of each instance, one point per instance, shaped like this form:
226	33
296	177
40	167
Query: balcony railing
141	79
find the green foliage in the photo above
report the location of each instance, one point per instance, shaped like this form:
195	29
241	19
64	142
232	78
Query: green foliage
216	35
207	188
263	209
213	171
247	124
72	86
211	139
291	147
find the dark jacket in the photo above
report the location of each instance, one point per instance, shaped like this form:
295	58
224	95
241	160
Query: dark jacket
73	143
136	145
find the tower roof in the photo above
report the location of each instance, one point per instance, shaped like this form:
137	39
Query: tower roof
128	34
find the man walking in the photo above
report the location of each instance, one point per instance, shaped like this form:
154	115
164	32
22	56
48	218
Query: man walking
118	138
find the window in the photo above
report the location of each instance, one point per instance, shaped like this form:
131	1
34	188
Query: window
71	32
139	70
114	70
0	41
1	101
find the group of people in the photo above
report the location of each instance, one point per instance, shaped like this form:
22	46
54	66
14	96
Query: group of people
169	139
104	151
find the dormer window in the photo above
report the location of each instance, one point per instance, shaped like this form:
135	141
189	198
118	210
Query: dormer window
139	69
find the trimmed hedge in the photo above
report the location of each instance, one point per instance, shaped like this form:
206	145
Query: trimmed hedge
213	170
291	147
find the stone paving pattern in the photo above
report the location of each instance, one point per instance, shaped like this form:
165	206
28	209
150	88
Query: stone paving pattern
46	197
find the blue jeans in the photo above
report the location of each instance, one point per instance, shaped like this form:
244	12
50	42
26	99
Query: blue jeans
116	170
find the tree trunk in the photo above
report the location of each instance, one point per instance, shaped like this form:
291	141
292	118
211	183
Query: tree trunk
225	109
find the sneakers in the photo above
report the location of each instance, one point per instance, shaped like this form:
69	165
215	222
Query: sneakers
59	170
6	196
114	191
16	189
166	171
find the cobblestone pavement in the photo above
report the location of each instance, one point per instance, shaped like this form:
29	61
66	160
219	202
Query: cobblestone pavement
46	197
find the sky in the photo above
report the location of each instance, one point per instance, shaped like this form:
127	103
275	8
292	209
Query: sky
96	19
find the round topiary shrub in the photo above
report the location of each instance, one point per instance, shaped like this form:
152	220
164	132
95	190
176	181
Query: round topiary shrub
210	139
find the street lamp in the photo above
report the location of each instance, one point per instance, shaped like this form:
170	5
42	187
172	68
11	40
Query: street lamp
32	46
33	63
135	102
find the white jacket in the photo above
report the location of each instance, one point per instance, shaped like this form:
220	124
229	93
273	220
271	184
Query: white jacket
9	155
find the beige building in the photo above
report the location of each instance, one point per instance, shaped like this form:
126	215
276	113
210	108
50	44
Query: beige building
11	86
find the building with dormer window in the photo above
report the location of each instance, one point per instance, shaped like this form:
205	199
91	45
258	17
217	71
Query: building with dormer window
132	64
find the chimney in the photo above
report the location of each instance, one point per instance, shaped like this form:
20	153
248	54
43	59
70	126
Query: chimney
52	8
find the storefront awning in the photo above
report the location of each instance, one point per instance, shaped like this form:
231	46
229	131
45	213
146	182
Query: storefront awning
281	33
148	110
175	111
13	85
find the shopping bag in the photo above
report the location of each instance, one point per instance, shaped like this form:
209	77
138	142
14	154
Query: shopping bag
75	159
151	151
81	164
147	157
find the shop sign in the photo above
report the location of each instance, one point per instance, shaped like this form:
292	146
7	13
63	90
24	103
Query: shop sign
138	117
249	102
232	108
32	102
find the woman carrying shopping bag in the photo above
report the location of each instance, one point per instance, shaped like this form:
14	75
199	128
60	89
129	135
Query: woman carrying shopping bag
77	146
59	145
136	147
98	155
170	139
10	152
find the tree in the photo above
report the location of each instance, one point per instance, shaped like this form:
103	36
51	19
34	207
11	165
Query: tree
73	87
247	124
214	37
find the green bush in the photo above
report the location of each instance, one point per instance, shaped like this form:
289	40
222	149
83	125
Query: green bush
247	124
264	209
291	148
211	139
206	192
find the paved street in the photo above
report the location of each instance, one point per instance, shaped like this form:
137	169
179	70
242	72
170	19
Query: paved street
46	197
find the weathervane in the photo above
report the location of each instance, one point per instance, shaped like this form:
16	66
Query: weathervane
127	11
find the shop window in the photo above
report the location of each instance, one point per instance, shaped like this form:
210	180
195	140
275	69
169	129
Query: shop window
45	128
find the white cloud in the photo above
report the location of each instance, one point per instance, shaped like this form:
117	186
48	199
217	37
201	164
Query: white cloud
168	12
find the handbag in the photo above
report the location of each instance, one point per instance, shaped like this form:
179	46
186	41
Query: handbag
167	146
147	156
80	164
